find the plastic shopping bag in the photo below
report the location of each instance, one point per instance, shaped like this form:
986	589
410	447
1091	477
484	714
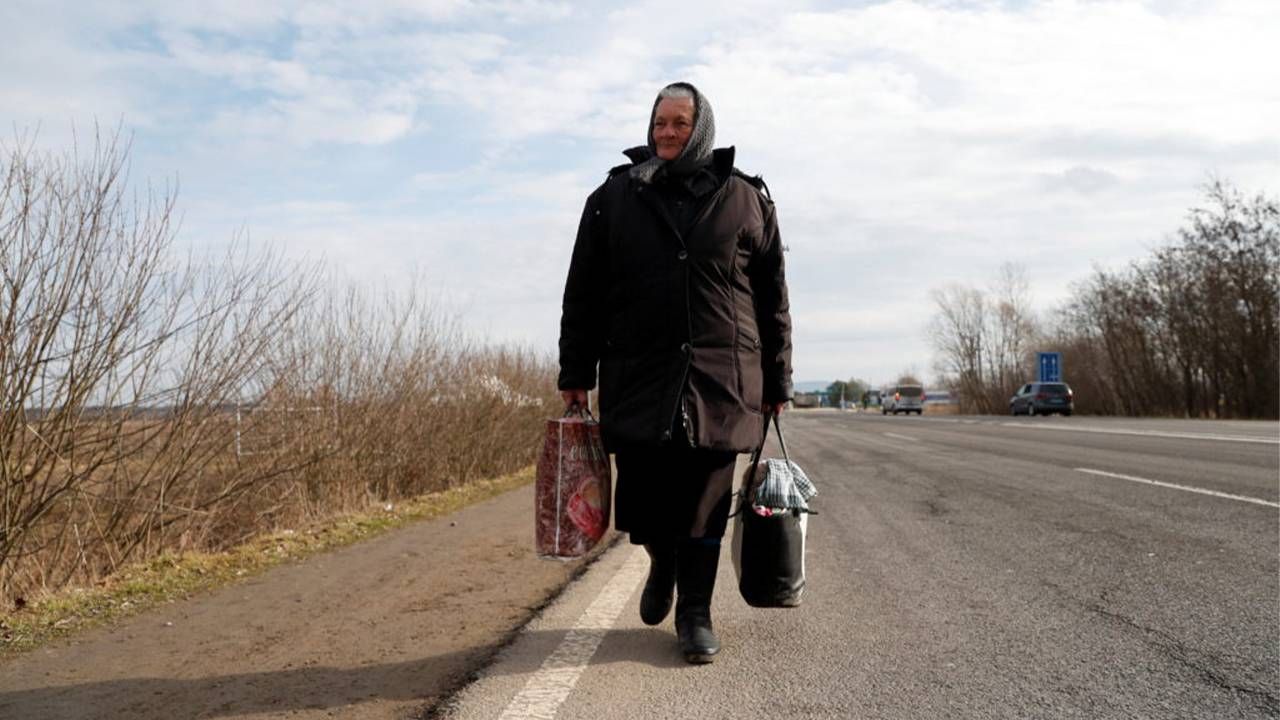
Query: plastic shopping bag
573	488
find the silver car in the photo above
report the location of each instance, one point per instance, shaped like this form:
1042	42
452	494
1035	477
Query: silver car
902	399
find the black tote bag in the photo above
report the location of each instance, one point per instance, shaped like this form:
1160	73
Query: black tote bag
768	551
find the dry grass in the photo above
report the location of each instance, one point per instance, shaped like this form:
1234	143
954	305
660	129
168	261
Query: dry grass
180	486
125	371
169	577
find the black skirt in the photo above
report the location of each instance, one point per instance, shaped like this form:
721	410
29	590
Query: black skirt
668	493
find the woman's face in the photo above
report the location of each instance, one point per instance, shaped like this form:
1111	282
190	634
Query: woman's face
672	126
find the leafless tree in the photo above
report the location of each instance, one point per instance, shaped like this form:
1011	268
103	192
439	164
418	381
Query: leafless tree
958	332
1010	333
1189	331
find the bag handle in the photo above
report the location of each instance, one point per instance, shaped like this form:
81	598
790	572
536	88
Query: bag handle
777	425
750	481
577	410
782	441
755	454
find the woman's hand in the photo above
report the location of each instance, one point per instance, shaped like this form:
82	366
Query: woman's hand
574	397
775	409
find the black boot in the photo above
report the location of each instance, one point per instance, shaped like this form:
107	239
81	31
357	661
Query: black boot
655	601
696	563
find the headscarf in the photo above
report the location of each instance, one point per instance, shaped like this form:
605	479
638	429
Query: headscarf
696	152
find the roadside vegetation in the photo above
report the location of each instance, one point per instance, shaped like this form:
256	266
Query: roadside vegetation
1193	330
157	406
172	575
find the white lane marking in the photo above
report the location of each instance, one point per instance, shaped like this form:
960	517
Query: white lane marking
896	436
548	688
1144	433
1202	491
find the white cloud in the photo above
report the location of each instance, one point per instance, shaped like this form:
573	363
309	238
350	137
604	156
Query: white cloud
1081	179
908	143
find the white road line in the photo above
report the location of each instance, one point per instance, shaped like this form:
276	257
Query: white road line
896	436
1202	491
1144	433
548	688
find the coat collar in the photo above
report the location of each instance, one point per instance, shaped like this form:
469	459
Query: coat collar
638	154
705	180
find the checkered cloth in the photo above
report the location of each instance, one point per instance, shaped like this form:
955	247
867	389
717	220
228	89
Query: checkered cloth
784	486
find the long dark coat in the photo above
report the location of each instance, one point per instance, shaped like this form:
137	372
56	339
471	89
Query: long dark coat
699	321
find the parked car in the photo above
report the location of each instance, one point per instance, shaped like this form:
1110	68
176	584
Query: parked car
1041	399
902	399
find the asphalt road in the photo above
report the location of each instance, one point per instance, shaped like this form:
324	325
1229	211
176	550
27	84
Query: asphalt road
961	567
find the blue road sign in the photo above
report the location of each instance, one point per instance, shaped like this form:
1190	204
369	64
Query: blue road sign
1050	366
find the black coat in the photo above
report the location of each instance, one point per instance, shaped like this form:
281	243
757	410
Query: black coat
697	320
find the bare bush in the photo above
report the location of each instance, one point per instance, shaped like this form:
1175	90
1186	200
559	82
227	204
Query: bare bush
1193	330
151	404
114	362
418	406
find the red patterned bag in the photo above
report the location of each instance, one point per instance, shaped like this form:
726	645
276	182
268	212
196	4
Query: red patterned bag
573	488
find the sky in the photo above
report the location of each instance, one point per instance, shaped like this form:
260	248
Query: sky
908	144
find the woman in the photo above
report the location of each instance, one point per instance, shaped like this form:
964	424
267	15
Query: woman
676	290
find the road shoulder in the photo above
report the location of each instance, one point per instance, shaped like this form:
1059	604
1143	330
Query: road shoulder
380	629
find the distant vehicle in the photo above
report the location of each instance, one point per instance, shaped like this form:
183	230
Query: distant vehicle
940	397
806	400
902	399
1042	399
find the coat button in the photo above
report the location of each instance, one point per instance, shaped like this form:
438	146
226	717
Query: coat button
683	255
686	348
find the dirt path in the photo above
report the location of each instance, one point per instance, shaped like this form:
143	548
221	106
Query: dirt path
380	629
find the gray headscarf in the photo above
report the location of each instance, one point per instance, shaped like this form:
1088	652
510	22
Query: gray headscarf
701	141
